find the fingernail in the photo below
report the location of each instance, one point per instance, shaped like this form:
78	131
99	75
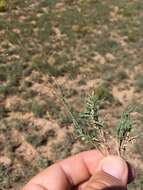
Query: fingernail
116	167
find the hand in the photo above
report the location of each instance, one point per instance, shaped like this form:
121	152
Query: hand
85	171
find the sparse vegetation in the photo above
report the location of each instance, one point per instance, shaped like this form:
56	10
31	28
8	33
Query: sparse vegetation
64	120
59	148
102	91
139	82
39	109
2	111
121	75
81	82
82	44
37	140
19	124
3	5
44	162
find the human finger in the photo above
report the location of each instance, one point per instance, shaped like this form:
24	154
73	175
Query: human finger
112	174
67	173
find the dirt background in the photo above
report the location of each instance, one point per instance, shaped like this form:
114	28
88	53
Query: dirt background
82	44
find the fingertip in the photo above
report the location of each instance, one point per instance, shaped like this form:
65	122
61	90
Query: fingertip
116	167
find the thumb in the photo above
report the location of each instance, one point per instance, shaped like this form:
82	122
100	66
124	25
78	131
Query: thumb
112	174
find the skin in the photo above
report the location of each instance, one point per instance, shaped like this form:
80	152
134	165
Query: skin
72	173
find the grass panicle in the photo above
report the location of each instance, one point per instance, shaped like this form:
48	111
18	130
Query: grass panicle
124	127
91	128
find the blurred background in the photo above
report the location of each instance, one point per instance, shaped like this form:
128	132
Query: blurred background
80	44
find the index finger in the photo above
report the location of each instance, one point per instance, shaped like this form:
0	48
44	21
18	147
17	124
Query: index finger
67	173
